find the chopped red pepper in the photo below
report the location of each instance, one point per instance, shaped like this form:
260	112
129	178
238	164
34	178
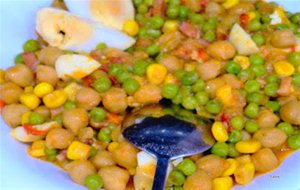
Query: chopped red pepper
222	36
226	121
33	131
104	68
114	118
203	55
203	3
88	81
293	48
244	19
2	104
113	80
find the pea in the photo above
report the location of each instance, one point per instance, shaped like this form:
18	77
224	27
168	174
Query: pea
149	2
177	99
185	114
189	78
202	98
114	69
251	110
258	39
93	151
255	97
252	86
274	106
186	90
237	122
69	105
101	46
131	85
286	128
232	152
156	22
294	58
220	149
58	119
179	74
294	141
174	2
282	26
246	74
50	151
258	70
139	67
102	84
256	59
189	102
142	8
93	182
187	167
176	178
209	36
266	18
213	21
19	59
142	32
296	79
235	136
36	118
153	49
177	188
251	127
198	86
98	114
254	25
137	2
183	12
154	33
170	91
196	18
213	107
31	46
273	78
207	27
104	135
259	4
232	67
51	158
271	89
295	18
172	11
123	75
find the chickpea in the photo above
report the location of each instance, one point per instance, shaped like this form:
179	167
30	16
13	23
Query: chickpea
283	39
221	50
125	155
20	74
114	177
264	160
59	138
85	134
266	118
102	159
290	112
46	74
148	94
214	9
240	8
44	111
10	92
114	100
87	98
75	119
49	55
12	114
171	62
213	165
198	180
209	70
193	5
79	170
270	137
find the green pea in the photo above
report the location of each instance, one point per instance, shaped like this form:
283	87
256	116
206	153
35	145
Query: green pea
50	151
98	114
256	59
142	8
131	85
104	135
51	158
36	118
186	91
258	70
177	99
294	141
198	86
273	78
259	4
237	122
294	58
170	91
149	2
232	152
213	107
176	178
235	136
174	2
31	46
254	25
172	11
258	39
93	151
69	105
251	110
255	97
220	149
286	128
246	74
102	84
296	18
266	18
189	78
296	79
187	167
156	22
282	26
58	119
93	182
183	12
101	46
153	49
179	74
213	21
154	33
209	36
202	98
232	67
137	2
271	89
177	188
189	102
143	32
19	59
208	27
274	106
123	75
251	127
114	69
196	18
140	67
252	86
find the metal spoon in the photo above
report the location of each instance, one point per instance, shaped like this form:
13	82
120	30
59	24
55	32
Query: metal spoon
167	138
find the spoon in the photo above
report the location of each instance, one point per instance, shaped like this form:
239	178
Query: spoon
166	138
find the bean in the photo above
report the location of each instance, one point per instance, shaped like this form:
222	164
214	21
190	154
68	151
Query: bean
59	138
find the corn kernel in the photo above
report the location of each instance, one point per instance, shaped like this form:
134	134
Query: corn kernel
251	15
222	183
224	94
2	74
219	132
42	89
233	164
30	100
156	73
243	61
170	26
248	146
230	3
132	171
25	117
55	99
284	68
131	27
244	173
243	159
78	151
37	149
170	79
112	146
189	67
71	90
28	89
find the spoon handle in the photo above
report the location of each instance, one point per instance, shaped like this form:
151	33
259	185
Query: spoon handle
160	173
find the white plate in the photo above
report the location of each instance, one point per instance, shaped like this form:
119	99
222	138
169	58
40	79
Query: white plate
18	171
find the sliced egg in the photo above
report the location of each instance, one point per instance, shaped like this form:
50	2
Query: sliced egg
64	30
75	66
242	41
113	13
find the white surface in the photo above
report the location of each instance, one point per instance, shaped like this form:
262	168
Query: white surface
18	171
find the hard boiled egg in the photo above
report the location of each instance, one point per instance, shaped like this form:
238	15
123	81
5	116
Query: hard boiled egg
113	13
67	31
